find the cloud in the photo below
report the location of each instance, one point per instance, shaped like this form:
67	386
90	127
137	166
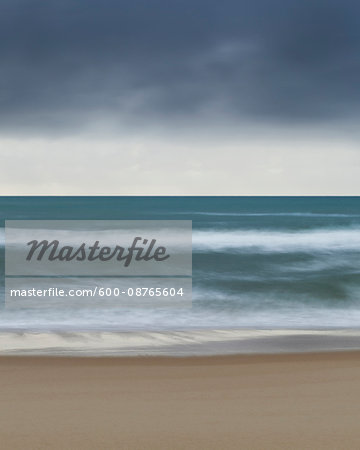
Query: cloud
65	65
154	166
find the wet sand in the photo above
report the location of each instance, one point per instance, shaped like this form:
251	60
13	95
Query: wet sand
284	401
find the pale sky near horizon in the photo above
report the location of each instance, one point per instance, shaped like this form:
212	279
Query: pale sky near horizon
179	97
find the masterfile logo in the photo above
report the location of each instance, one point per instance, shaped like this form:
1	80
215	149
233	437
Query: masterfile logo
120	248
139	250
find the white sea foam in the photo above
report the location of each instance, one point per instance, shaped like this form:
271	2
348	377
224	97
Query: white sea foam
265	214
266	315
277	241
185	343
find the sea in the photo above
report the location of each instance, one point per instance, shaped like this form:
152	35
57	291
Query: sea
259	263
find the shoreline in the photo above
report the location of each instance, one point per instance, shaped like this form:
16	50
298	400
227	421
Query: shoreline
262	402
174	359
178	343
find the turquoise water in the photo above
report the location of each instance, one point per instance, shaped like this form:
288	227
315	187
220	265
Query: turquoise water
258	262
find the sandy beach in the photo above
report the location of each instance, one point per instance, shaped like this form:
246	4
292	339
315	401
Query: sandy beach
285	401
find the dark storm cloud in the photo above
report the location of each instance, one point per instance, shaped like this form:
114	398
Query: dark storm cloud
67	62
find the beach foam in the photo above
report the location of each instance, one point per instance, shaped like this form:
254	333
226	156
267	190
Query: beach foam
181	343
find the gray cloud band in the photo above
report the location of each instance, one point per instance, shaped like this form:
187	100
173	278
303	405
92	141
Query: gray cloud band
64	64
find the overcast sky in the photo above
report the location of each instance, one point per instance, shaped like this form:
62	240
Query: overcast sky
180	97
